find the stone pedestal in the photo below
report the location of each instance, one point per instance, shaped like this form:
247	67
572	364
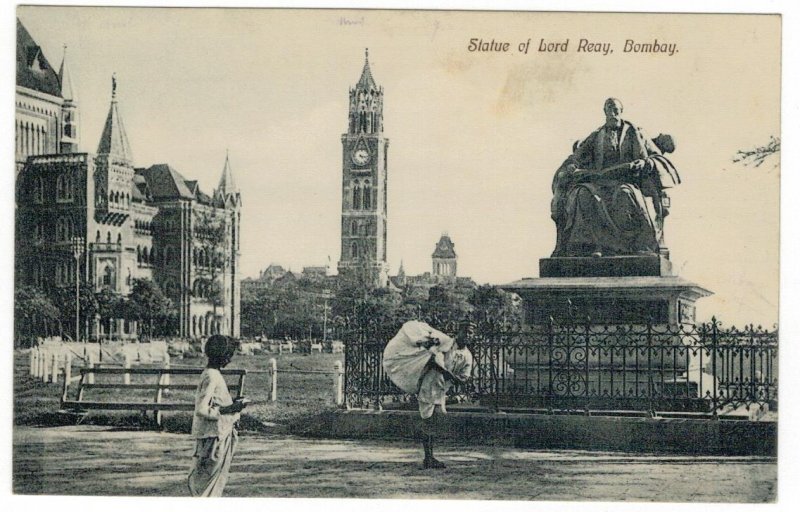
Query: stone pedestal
609	300
634	289
613	266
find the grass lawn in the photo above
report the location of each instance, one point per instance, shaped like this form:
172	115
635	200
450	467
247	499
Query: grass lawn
300	397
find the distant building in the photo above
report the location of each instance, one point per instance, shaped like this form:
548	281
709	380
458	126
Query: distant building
443	262
444	258
126	222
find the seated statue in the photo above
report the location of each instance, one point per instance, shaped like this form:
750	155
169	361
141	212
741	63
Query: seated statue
608	196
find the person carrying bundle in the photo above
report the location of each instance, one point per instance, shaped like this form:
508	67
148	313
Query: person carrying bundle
427	362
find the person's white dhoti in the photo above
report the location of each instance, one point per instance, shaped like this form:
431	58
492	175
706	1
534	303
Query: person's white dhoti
405	361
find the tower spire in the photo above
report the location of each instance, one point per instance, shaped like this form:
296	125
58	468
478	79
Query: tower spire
114	140
69	109
227	185
65	78
366	82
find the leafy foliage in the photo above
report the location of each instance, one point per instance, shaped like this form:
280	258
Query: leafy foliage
34	312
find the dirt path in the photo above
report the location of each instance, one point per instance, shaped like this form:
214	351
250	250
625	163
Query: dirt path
102	461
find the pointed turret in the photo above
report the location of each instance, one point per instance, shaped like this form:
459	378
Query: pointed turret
114	141
366	82
366	103
227	190
69	109
65	78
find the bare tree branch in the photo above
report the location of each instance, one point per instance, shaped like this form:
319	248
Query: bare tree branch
759	154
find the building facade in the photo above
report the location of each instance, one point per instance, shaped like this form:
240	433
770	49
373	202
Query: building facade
99	220
364	185
444	258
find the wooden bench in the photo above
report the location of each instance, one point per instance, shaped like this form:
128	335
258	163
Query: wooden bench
157	389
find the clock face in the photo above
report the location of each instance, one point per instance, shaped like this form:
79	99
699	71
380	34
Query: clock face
360	156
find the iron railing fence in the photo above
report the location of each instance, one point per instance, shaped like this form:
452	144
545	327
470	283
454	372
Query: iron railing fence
585	367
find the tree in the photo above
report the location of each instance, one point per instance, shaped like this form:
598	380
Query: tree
34	313
490	302
211	256
447	303
149	306
110	305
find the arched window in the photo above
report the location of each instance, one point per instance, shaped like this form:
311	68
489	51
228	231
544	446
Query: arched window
356	196
145	256
97	237
38	232
119	238
38	190
367	196
138	254
354	228
354	250
108	237
63	229
108	276
36	274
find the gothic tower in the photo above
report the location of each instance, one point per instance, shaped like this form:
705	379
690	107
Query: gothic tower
70	137
364	173
229	199
444	258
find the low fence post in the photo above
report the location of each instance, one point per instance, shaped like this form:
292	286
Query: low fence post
54	367
166	367
126	379
32	361
45	366
273	373
68	367
38	369
91	362
35	363
338	383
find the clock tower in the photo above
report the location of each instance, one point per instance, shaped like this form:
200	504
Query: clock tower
364	172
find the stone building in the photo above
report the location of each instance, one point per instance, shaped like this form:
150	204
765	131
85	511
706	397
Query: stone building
444	258
364	181
46	118
100	219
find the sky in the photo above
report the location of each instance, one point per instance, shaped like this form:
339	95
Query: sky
474	136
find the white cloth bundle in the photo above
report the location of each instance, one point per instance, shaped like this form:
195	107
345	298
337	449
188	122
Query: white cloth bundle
404	360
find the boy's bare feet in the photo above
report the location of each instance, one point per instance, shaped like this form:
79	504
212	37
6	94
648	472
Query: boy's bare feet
433	463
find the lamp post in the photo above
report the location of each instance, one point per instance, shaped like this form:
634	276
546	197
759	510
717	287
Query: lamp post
77	252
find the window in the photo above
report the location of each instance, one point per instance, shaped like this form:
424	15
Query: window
38	190
38	233
356	196
64	229
367	196
354	228
64	188
36	274
108	277
354	251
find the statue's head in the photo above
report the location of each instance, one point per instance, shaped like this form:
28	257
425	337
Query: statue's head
613	110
